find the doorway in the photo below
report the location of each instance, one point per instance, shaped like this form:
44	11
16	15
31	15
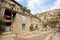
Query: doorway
9	17
23	27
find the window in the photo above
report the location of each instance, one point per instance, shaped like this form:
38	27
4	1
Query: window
50	15
10	6
54	15
36	27
23	27
8	28
37	20
16	9
58	11
23	18
31	19
45	18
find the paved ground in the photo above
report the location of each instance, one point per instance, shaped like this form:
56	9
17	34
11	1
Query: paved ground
49	36
33	36
40	36
56	36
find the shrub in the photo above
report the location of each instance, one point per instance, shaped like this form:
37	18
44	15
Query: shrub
2	23
36	28
31	27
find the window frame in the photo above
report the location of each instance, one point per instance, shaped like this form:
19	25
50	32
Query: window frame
23	27
23	18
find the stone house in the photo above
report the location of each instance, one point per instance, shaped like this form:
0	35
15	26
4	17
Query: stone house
16	20
48	15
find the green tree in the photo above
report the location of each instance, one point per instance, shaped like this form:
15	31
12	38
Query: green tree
28	11
2	23
44	24
58	18
58	15
53	23
25	9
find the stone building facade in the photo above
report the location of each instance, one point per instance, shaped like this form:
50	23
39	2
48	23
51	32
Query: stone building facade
16	20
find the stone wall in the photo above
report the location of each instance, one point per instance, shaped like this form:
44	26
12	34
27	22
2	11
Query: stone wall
16	26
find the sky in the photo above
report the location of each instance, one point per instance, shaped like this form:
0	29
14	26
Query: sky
38	6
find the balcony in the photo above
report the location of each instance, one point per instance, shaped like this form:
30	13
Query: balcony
8	18
10	21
